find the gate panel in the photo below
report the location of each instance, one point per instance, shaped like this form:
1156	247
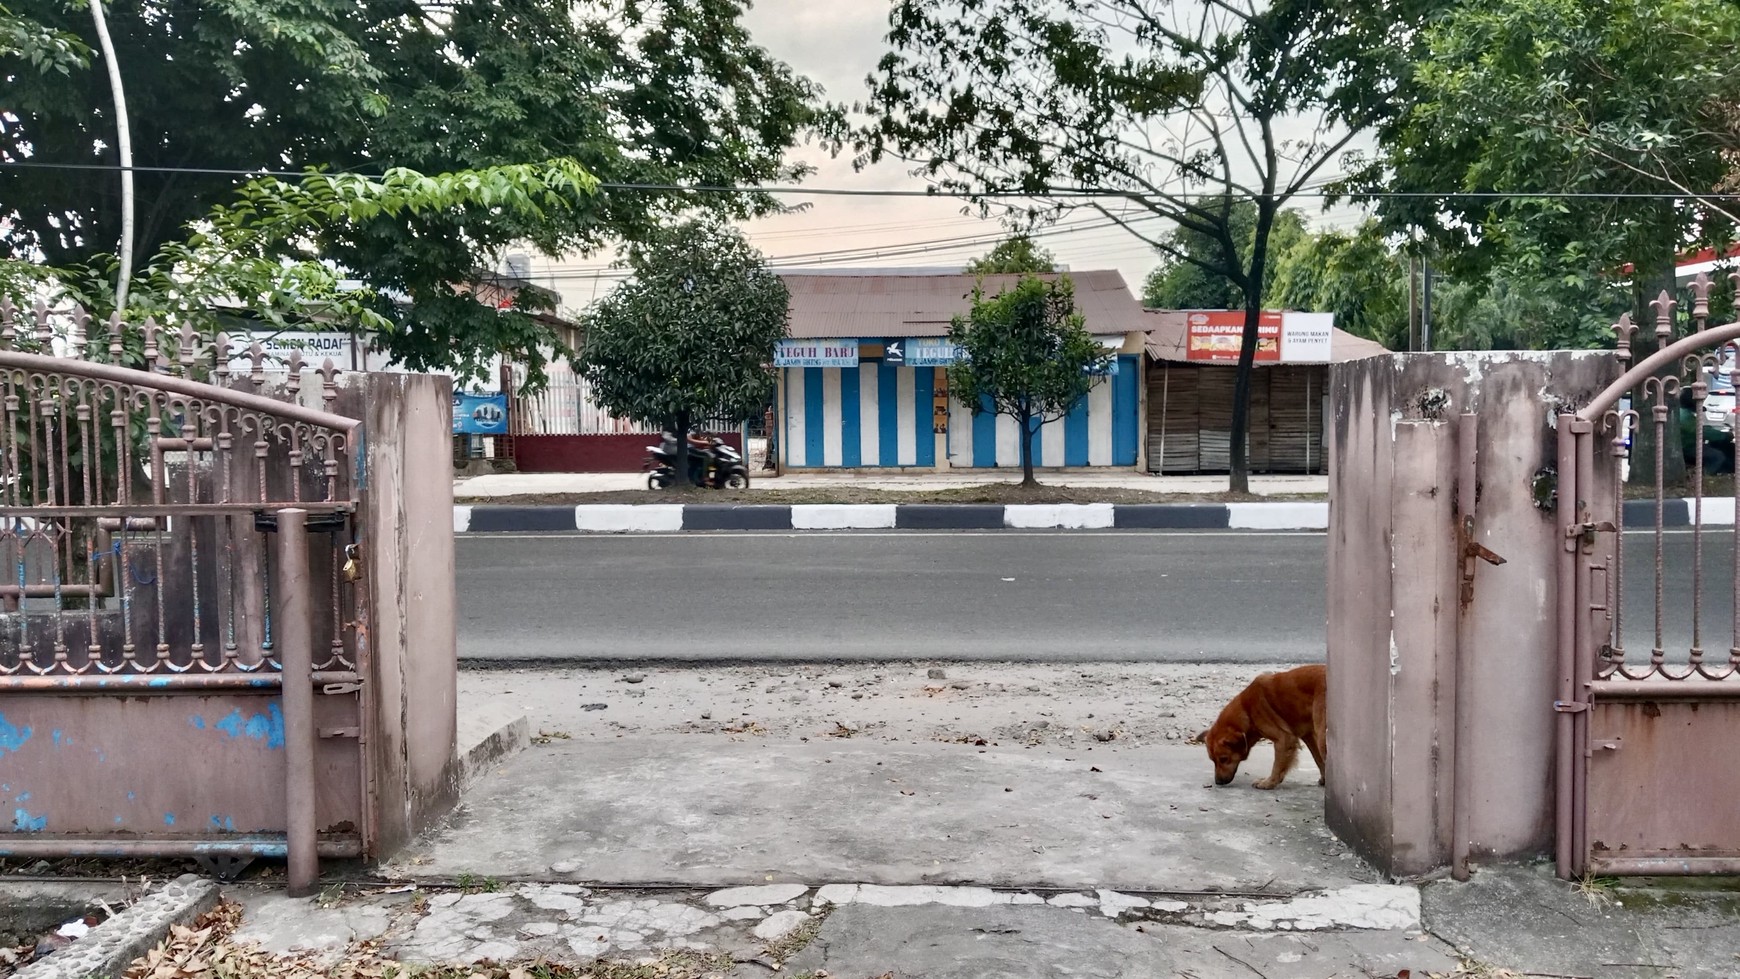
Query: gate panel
153	618
1663	794
92	766
1646	784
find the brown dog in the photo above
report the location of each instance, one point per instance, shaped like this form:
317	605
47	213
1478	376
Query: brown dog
1284	708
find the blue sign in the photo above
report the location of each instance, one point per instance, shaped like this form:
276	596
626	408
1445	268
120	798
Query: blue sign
931	352
841	352
479	414
894	350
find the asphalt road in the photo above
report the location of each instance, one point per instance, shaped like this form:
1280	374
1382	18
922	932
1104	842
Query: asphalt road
1058	597
1033	596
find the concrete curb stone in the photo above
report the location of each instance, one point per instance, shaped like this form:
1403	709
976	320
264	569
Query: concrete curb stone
670	518
111	946
1287	515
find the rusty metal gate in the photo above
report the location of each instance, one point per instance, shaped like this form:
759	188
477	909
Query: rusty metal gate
181	661
1648	781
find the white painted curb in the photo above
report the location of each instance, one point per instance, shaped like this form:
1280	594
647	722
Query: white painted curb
461	519
1277	516
629	518
842	516
1071	516
1718	511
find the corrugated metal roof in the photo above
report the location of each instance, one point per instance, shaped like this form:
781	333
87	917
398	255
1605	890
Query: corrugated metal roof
891	305
1168	335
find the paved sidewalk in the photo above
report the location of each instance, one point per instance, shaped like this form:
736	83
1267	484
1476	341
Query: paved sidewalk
704	812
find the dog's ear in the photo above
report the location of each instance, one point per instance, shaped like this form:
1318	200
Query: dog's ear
1199	737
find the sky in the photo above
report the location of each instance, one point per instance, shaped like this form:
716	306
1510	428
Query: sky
837	44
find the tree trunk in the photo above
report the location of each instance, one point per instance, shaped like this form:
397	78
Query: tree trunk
1239	479
680	458
1027	480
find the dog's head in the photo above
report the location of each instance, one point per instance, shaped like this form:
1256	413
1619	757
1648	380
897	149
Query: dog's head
1227	748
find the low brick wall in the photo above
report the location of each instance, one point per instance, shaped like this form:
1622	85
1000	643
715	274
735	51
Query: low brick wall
590	453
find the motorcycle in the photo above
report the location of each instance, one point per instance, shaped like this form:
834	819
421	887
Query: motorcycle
712	464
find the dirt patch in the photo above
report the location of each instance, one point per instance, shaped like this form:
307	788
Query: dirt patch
980	704
995	493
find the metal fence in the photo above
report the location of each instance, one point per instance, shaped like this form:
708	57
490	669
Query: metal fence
565	406
1639	790
167	532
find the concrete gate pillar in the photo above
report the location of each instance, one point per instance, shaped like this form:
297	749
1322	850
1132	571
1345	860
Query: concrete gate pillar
1394	601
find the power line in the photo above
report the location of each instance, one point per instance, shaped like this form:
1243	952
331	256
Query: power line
1309	193
867	253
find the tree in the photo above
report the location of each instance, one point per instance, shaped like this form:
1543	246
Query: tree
1362	277
39	47
1357	276
1568	141
644	94
1026	353
1620	101
690	335
1012	256
253	259
1179	284
1156	113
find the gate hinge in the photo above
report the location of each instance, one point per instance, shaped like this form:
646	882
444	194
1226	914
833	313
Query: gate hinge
341	732
1569	707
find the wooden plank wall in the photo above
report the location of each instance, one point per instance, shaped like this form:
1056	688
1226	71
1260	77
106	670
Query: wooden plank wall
1190	418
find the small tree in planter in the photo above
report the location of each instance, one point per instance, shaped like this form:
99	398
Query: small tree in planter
690	335
1027	354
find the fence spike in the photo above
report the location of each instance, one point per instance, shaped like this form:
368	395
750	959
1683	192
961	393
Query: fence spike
257	354
187	348
1664	305
1624	330
220	357
294	361
151	351
328	381
76	339
8	319
116	328
1701	299
44	332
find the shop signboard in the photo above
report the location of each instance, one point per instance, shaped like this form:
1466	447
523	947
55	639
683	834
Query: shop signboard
931	352
834	352
479	414
1216	336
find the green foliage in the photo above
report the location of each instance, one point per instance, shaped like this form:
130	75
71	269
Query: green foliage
42	48
1013	255
1582	96
1363	280
645	92
1028	355
1187	283
263	246
692	333
1357	276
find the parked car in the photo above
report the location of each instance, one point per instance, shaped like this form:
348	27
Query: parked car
1718	421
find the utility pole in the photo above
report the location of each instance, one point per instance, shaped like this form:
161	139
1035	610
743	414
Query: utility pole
123	144
1426	308
1413	303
